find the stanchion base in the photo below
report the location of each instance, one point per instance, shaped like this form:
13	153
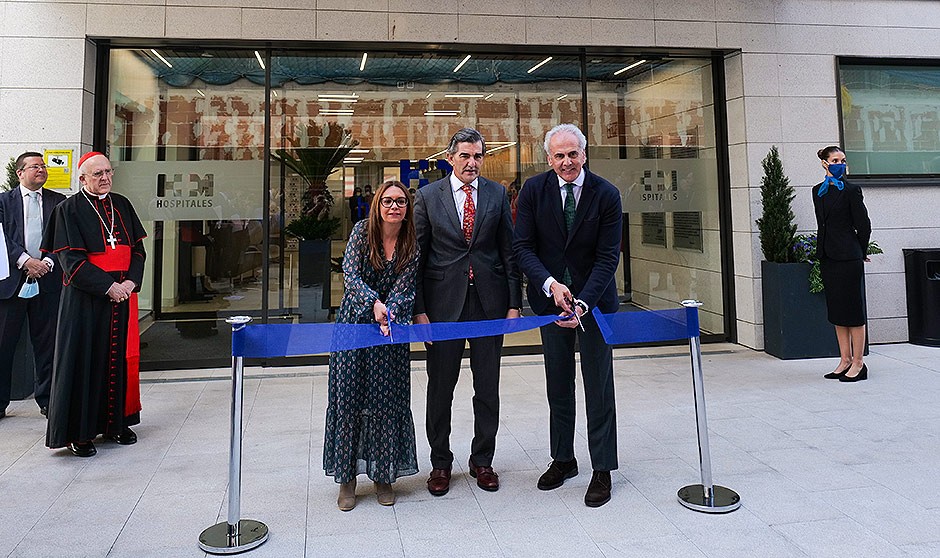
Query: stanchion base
251	534
723	499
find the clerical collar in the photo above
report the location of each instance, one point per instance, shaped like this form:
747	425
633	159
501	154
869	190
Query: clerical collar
90	195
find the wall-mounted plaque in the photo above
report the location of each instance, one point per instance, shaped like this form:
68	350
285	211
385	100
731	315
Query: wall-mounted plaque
654	229
687	230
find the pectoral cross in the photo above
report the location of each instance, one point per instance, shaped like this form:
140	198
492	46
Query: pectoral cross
112	241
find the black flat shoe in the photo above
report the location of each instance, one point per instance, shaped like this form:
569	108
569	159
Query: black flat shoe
83	449
837	375
862	375
125	438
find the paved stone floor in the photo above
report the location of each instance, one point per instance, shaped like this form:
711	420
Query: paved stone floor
824	469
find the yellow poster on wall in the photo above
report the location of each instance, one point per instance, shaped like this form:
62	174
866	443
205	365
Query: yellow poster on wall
59	168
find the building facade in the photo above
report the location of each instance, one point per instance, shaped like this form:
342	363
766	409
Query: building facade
199	102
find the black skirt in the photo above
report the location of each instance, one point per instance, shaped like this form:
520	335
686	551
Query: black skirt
844	283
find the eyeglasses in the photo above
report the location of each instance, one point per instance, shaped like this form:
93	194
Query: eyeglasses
34	167
387	202
100	173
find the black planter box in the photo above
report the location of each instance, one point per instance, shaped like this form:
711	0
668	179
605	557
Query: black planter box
795	320
314	268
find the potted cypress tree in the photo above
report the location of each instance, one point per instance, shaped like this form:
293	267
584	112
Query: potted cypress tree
795	322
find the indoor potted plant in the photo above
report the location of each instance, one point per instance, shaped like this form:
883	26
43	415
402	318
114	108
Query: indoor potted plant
316	151
795	322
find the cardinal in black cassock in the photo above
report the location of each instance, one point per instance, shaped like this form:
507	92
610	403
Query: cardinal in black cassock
98	240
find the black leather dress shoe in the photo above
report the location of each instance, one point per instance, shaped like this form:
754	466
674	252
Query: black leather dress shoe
556	474
44	411
125	438
83	449
598	492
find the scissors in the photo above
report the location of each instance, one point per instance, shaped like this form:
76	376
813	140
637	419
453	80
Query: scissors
573	303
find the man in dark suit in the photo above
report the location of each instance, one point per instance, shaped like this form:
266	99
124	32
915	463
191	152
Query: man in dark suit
467	272
25	211
567	242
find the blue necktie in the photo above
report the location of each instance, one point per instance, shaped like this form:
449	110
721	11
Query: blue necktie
569	218
33	224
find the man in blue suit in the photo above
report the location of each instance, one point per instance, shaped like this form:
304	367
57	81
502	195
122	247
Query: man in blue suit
567	242
25	211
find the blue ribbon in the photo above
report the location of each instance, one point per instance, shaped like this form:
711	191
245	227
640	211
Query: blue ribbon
824	187
278	340
624	328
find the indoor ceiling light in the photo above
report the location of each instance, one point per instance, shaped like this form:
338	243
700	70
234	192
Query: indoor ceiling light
201	93
487	98
362	65
352	160
464	95
162	59
336	111
562	97
429	95
359	151
260	61
442	113
503	146
462	62
539	65
338	98
630	67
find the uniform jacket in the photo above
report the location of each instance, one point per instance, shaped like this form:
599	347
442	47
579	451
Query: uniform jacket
844	227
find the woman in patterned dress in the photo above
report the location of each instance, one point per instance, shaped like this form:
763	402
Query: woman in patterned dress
369	426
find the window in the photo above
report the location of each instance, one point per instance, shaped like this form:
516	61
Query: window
891	118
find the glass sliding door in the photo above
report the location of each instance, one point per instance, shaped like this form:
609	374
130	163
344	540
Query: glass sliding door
652	133
375	116
186	137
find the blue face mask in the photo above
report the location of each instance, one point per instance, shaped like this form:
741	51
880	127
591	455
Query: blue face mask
29	289
837	170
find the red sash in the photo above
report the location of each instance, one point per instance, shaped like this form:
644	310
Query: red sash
119	259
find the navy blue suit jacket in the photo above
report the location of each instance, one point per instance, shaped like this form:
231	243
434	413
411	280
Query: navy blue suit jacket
543	247
11	215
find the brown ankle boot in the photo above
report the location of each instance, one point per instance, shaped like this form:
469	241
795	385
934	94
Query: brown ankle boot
347	496
385	494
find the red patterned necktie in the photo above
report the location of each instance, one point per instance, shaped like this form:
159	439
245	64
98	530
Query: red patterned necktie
469	216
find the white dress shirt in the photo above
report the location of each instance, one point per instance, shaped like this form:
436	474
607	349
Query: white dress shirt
460	197
24	193
578	186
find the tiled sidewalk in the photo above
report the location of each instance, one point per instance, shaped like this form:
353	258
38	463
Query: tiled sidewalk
824	468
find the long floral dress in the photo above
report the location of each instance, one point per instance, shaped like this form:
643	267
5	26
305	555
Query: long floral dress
369	426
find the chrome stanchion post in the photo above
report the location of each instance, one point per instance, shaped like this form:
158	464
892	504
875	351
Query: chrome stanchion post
705	497
235	535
